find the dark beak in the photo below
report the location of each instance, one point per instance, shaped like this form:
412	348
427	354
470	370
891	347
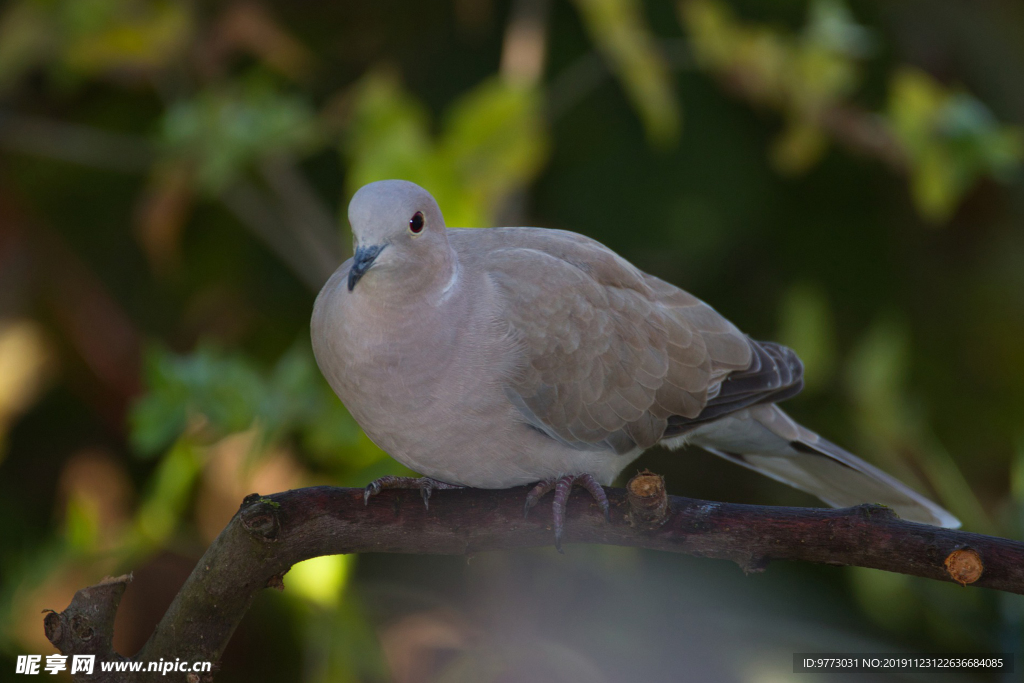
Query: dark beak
361	262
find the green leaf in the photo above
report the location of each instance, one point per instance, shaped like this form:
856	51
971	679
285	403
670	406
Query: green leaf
226	392
224	131
937	184
81	524
622	36
808	328
169	492
799	147
914	102
493	142
833	27
952	140
108	35
224	389
388	135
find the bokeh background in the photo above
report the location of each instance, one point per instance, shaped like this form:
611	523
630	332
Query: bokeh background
843	178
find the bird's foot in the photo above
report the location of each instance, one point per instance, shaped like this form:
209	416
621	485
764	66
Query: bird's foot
426	485
562	487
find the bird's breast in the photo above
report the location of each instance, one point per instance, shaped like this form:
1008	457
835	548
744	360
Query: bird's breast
416	379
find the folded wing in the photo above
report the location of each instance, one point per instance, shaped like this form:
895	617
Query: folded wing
612	358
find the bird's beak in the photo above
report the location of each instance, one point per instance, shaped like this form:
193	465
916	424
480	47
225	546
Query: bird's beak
361	262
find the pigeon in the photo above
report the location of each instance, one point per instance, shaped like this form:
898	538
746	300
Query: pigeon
502	357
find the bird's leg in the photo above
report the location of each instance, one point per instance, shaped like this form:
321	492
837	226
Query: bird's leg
426	485
563	487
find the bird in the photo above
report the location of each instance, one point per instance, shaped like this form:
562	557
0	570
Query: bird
501	357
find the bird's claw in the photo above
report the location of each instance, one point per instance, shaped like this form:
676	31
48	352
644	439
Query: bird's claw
562	487
536	493
372	489
426	485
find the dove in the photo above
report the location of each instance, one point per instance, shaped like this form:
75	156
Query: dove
501	357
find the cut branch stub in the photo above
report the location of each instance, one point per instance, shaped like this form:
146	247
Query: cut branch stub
964	565
648	500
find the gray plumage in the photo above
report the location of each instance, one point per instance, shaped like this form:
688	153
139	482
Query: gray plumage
500	357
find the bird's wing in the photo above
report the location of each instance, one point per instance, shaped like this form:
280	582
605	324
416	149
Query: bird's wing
612	358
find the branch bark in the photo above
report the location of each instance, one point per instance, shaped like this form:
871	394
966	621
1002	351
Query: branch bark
269	534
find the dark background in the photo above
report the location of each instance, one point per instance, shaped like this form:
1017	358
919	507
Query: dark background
844	179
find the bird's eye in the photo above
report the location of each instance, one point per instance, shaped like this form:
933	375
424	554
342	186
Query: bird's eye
416	223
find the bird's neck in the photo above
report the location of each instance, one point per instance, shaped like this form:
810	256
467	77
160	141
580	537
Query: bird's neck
429	282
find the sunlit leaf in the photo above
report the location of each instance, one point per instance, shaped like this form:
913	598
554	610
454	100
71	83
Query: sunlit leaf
493	142
81	524
87	38
820	77
320	580
388	136
949	138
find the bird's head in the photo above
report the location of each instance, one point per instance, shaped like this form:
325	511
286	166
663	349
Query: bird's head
397	227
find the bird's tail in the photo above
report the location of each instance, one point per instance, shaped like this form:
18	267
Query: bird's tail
766	440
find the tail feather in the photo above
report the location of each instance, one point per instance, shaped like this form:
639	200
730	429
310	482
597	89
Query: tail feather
766	440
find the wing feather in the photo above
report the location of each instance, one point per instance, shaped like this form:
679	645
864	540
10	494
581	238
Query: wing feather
613	358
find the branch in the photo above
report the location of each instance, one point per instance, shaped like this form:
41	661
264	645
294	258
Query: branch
75	143
270	534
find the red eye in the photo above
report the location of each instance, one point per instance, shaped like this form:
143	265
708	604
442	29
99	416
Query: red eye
416	223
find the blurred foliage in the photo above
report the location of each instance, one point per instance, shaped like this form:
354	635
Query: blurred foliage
492	143
222	133
952	140
802	76
806	325
212	393
897	423
88	38
623	37
154	354
25	363
945	137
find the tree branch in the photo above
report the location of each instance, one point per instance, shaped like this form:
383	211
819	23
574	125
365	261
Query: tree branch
269	534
